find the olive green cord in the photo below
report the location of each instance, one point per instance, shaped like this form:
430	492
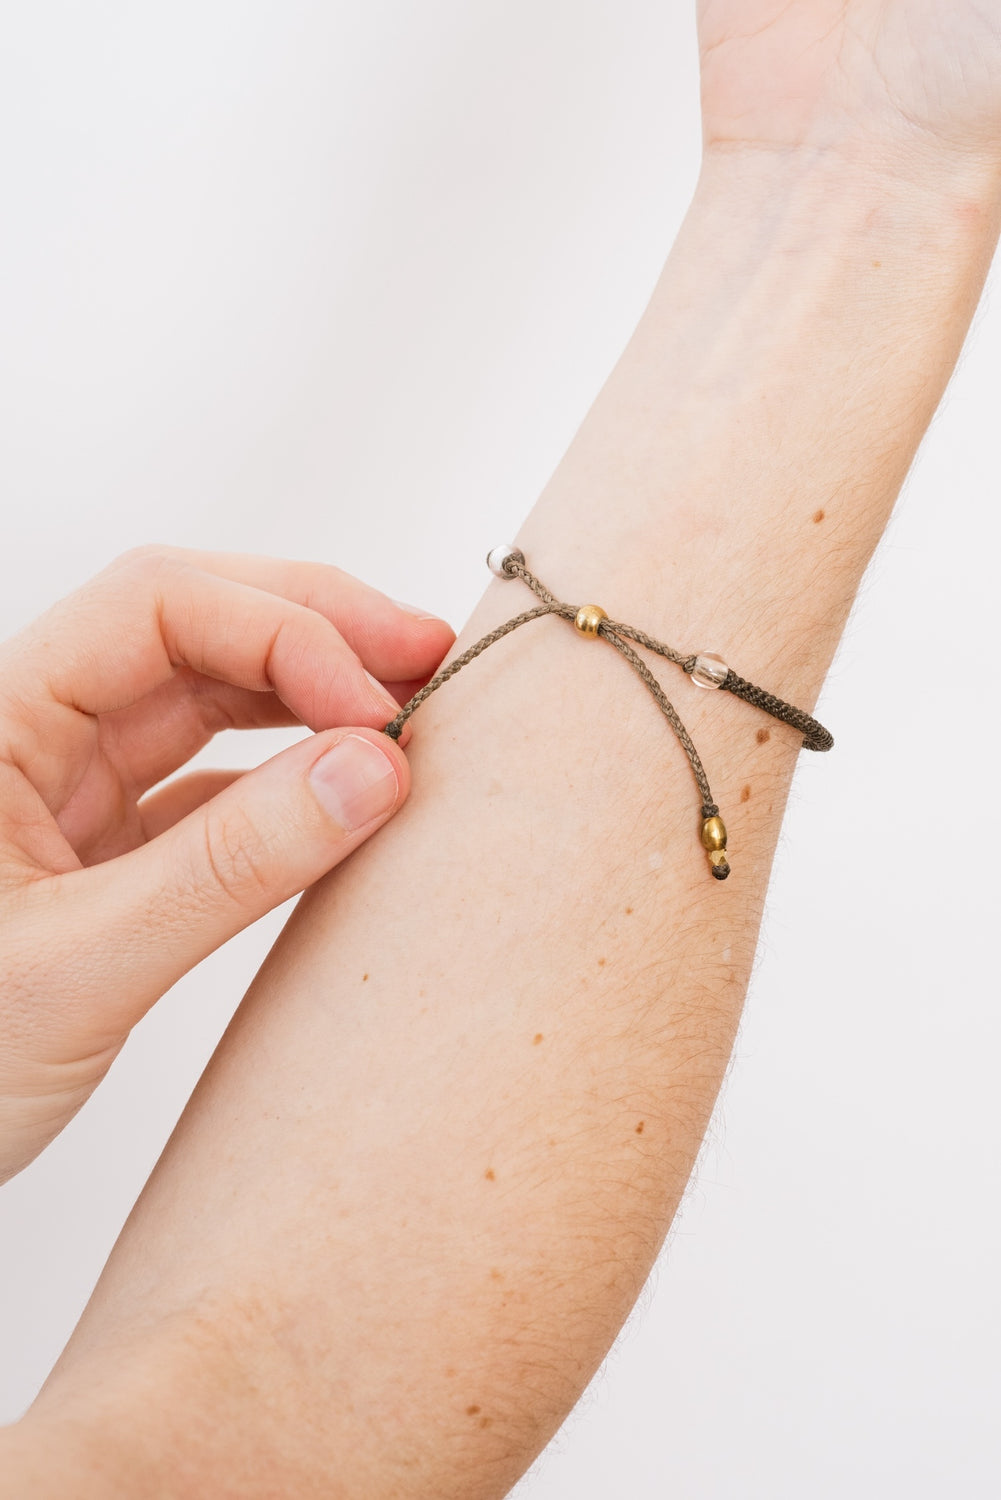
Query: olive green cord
815	736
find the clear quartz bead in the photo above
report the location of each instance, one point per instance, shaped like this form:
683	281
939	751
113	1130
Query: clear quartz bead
709	670
497	557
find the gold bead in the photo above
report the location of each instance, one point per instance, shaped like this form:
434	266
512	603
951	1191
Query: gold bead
718	857
588	618
714	834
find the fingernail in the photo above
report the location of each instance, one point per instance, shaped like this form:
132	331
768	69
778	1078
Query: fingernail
415	609
355	782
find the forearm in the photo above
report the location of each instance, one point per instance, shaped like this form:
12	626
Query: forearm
756	434
437	1152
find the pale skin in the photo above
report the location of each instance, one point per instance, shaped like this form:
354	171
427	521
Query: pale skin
434	1158
115	882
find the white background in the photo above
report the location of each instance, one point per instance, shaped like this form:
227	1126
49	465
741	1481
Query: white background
338	281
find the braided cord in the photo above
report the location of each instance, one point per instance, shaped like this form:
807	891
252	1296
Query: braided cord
668	710
395	726
815	736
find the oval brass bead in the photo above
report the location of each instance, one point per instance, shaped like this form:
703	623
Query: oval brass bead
714	834
588	618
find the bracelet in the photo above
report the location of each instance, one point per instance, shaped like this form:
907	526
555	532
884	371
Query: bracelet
706	670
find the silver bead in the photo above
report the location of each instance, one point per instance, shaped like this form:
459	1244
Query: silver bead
709	671
499	556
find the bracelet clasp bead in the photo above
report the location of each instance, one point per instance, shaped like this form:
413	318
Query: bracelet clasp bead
588	618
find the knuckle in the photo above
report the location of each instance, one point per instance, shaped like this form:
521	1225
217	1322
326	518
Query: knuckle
237	858
149	560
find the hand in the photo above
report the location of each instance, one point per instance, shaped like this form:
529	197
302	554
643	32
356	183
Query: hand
823	73
108	895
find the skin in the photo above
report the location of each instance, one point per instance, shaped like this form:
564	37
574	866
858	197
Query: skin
851	74
471	1129
113	885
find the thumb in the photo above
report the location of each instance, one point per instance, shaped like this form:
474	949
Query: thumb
150	915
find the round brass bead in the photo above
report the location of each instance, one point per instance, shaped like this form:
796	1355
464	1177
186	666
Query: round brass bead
714	834
588	618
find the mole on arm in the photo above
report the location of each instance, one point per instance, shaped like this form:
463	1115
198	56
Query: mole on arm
763	736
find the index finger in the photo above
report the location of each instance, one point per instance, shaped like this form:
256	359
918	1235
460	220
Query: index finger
394	642
127	631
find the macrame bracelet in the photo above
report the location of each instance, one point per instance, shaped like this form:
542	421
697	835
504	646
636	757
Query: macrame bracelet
706	671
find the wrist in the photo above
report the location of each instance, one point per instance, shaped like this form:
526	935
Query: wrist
810	259
873	187
742	460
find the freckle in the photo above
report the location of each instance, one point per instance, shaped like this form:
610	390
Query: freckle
639	1128
496	1275
876	264
629	911
551	1142
472	1411
745	795
764	735
485	1421
601	963
364	977
490	1174
537	1038
449	1373
818	516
